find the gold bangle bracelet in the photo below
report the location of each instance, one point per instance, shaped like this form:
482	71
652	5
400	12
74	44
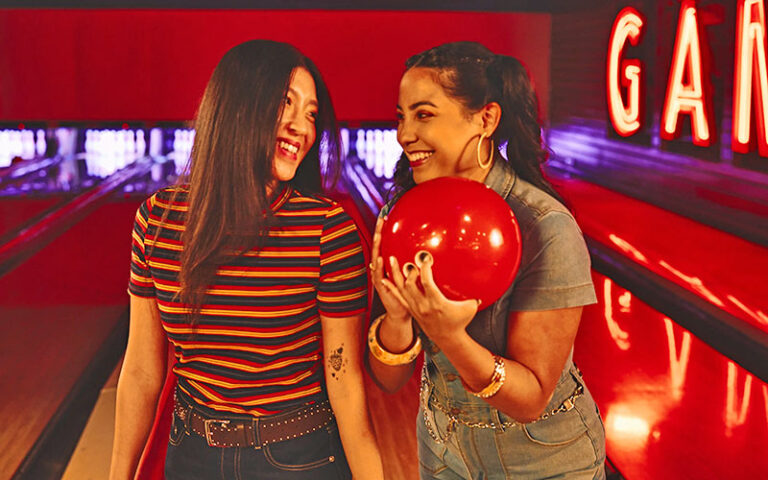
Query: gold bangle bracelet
383	355
497	380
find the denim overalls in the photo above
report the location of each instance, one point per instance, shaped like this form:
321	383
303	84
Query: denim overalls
460	436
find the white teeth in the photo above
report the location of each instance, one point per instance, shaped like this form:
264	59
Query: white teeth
288	146
418	156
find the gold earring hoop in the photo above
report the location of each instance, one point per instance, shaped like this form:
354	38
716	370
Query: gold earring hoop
487	163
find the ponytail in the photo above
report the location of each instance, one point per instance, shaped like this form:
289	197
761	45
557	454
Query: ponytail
519	126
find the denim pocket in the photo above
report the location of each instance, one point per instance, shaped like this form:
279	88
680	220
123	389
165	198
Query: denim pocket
431	454
559	429
547	448
307	452
430	464
178	431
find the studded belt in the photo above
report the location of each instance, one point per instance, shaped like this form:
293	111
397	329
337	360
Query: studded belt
255	433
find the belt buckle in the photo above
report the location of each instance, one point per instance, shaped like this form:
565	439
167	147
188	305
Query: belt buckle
208	433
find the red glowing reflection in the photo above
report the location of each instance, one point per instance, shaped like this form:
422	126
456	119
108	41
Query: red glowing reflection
673	407
733	279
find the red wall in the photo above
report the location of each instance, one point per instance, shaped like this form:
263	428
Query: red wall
150	65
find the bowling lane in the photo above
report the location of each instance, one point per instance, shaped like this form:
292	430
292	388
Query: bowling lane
673	407
14	212
64	297
721	268
29	189
56	310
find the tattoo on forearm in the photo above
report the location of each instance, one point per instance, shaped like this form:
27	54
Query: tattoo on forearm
337	362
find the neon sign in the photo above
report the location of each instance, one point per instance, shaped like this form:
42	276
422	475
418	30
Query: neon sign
687	94
626	119
686	97
750	69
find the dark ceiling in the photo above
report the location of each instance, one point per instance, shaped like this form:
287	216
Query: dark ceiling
547	6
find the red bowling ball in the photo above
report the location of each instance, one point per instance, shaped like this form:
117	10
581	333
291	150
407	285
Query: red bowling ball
468	228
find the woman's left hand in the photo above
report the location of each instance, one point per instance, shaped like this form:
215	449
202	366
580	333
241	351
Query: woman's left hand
439	318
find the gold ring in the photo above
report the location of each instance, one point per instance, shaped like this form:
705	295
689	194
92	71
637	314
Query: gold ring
370	266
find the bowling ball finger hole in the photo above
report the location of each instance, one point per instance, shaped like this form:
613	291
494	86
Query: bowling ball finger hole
421	257
408	268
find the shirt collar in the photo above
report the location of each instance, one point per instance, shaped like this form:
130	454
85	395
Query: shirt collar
281	197
501	178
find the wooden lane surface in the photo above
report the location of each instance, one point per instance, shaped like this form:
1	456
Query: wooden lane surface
56	309
43	351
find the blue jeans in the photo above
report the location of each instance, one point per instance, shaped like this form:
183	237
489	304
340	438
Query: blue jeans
315	456
461	437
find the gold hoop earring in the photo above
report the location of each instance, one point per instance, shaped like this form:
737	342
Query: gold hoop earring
490	157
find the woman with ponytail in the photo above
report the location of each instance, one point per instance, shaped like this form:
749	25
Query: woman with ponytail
500	395
258	282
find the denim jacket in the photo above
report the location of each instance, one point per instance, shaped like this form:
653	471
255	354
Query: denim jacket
554	268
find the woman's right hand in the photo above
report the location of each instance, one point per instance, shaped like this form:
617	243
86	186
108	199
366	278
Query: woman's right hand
394	303
396	332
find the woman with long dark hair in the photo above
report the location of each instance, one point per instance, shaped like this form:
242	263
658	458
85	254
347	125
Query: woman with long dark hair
500	396
258	282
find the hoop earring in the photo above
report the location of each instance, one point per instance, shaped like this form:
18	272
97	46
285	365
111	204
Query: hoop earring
490	157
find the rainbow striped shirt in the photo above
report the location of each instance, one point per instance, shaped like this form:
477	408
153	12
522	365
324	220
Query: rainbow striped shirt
256	348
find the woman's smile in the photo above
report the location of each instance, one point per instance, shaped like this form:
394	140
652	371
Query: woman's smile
418	158
288	148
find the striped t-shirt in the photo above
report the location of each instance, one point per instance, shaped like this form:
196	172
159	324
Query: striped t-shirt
256	346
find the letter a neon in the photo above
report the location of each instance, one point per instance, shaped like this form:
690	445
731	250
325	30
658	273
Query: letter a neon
686	98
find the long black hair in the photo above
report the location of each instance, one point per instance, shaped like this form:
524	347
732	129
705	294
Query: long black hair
230	168
475	76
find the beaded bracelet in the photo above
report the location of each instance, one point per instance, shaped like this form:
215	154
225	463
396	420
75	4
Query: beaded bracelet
383	355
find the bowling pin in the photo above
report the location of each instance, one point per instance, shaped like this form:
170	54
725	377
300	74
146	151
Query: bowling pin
40	144
5	153
141	144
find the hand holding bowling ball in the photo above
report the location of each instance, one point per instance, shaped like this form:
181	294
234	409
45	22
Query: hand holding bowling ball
469	230
395	305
